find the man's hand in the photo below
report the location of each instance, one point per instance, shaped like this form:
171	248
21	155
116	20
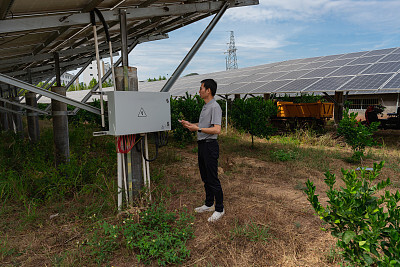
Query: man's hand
190	126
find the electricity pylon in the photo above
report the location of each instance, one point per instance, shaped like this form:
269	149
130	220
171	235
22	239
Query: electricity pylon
231	59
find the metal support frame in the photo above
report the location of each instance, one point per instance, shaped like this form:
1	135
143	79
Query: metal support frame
24	85
12	111
24	106
103	79
194	49
82	18
330	98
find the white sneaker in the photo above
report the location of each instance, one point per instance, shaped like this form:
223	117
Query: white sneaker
204	208
216	216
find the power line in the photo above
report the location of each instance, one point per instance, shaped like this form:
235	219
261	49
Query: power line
231	59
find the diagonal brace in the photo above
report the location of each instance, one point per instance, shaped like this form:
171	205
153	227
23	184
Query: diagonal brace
24	85
24	106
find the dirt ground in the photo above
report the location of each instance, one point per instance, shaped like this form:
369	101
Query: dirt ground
267	193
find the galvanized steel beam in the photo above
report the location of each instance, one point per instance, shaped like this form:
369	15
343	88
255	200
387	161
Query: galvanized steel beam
61	20
38	110
194	49
24	85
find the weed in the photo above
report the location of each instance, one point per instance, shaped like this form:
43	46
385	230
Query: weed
102	242
282	155
297	225
195	149
251	231
333	256
158	174
159	236
300	186
6	250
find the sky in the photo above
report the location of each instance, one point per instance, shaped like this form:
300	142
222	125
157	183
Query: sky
273	31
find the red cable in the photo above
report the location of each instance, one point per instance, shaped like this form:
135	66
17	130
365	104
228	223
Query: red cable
128	142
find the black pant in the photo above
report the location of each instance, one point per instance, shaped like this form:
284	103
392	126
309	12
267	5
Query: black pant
208	154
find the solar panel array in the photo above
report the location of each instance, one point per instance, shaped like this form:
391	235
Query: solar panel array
376	71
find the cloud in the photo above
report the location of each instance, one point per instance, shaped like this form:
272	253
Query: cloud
360	12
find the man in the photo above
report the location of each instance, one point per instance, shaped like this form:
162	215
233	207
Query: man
208	128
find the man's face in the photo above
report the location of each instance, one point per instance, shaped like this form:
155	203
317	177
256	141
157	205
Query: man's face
203	92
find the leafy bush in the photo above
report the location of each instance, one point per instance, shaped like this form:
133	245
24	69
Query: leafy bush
357	135
159	235
185	108
367	226
252	116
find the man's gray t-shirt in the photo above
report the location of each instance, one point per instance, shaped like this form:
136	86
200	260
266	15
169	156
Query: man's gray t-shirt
210	115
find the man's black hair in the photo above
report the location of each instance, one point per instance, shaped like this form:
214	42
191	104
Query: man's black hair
210	84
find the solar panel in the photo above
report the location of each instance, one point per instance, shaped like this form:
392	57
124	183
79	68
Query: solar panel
272	76
313	65
272	69
250	78
291	67
328	84
225	89
387	91
338	62
322	72
291	62
349	70
352	55
394	82
270	87
332	57
247	88
297	85
294	74
365	60
364	82
383	68
391	57
311	59
380	52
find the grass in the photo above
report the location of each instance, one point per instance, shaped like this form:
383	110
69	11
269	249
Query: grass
251	231
264	183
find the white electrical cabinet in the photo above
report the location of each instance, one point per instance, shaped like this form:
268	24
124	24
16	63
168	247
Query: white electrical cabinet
132	112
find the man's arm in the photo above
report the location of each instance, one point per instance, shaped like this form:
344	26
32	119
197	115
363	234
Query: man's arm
215	129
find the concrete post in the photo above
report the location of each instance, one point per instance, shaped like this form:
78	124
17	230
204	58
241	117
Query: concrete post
60	127
32	118
338	110
133	158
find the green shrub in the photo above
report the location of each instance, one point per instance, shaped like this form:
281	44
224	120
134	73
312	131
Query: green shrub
185	108
159	235
252	116
357	135
367	226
